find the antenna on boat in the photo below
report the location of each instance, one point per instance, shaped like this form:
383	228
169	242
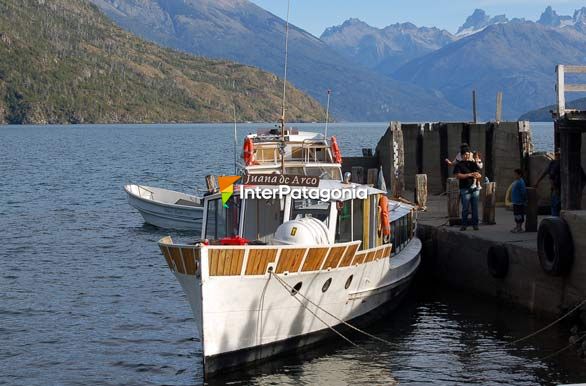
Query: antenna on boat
235	144
327	114
282	119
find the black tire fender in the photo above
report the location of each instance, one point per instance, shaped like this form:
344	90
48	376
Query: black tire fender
555	246
497	260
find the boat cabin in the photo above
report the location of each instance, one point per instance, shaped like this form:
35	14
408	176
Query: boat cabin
304	153
262	221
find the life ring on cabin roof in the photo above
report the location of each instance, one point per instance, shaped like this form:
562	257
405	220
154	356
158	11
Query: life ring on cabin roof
336	151
248	153
555	246
385	219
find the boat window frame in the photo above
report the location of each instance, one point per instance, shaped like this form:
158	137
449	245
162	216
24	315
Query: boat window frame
217	197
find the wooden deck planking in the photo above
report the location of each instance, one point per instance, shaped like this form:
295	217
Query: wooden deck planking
314	259
290	260
334	257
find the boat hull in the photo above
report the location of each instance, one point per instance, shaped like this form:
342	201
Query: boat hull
246	319
258	354
167	215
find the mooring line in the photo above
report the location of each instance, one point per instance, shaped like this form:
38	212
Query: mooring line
550	325
564	348
320	319
330	314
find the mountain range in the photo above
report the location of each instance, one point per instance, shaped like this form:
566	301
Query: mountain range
486	54
51	73
401	72
385	50
63	61
544	114
241	31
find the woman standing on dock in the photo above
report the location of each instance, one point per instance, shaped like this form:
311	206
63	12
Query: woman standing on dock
467	171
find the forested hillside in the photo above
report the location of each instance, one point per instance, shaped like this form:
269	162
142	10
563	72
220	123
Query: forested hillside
63	61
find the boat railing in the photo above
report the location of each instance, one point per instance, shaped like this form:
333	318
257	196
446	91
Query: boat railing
305	151
253	260
140	187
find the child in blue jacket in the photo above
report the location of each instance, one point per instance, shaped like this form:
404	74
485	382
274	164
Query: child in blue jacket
519	199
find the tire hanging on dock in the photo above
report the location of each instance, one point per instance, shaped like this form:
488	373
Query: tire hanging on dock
555	246
497	260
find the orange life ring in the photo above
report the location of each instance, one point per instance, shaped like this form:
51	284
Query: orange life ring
336	151
248	152
383	204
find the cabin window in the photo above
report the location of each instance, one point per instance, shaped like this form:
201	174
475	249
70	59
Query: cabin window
348	281
306	207
222	221
261	219
402	232
296	288
344	223
358	226
297	171
324	173
267	154
297	152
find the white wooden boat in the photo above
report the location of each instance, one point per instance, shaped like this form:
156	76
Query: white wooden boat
306	266
166	208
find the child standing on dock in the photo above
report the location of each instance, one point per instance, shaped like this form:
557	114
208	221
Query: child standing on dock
519	199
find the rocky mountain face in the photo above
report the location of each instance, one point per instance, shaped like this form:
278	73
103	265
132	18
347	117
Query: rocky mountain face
63	61
551	18
384	50
241	31
487	53
478	21
518	58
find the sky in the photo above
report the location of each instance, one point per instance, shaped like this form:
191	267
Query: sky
315	16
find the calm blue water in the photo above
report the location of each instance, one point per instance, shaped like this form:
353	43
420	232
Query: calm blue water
86	297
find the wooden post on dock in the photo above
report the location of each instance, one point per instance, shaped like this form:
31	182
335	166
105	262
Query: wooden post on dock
398	170
499	107
489	204
571	170
569	132
421	190
453	189
371	176
357	175
474	112
532	211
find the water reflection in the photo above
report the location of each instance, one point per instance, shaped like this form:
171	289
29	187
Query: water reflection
88	299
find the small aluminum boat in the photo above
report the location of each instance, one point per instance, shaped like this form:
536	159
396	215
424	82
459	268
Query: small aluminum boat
166	208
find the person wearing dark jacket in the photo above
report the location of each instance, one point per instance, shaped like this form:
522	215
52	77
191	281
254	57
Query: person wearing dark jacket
467	172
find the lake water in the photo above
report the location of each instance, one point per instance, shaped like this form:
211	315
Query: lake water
86	297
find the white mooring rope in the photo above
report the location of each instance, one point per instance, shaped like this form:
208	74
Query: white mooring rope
550	325
289	289
579	340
